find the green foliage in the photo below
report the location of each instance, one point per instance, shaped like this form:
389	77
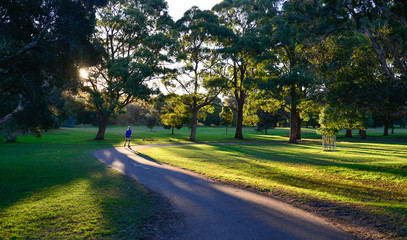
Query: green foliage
41	45
134	41
199	74
174	120
226	116
174	114
334	119
244	21
137	114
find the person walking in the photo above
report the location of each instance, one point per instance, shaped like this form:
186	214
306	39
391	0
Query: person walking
128	136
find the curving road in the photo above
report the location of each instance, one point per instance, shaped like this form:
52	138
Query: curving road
215	211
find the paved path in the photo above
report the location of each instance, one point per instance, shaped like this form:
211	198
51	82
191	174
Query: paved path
215	211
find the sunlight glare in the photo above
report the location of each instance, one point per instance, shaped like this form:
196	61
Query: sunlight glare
83	73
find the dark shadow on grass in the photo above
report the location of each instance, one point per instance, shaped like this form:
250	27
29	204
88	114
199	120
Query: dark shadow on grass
127	208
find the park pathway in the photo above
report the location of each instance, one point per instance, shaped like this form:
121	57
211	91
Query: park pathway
216	211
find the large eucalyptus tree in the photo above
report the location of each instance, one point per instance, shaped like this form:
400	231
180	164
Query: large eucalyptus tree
133	37
200	71
244	18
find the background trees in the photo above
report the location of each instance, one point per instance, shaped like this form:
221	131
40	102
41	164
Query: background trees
276	59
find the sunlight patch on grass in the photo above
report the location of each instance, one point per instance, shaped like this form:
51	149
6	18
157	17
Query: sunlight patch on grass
348	175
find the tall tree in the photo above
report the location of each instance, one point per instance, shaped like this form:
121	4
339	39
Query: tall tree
288	70
133	37
240	51
41	45
200	71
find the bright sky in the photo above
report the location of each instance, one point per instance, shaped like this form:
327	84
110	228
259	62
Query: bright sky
178	7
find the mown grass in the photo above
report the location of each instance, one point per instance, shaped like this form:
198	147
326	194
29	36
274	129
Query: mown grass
368	175
53	188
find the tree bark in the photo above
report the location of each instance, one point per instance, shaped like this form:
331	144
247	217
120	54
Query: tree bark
298	126
348	133
10	116
386	126
363	134
239	119
102	126
194	125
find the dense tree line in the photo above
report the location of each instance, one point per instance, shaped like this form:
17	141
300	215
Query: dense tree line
338	64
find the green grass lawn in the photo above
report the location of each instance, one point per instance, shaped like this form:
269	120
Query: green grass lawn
366	176
52	187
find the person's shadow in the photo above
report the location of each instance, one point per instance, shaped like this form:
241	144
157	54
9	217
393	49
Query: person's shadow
131	150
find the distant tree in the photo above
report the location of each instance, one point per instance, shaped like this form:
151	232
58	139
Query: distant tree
133	37
213	119
136	113
226	117
152	121
174	114
42	43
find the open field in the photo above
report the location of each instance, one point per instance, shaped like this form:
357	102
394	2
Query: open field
52	187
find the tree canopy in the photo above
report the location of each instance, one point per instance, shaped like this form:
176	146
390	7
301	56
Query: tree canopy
340	63
42	43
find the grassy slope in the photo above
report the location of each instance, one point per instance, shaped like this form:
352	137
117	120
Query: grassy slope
53	188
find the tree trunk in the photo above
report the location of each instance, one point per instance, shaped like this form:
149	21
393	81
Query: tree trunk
348	133
172	132
386	126
102	126
11	138
239	120
293	118
392	129
194	125
265	131
363	134
298	126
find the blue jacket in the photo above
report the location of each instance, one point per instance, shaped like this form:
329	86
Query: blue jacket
128	133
